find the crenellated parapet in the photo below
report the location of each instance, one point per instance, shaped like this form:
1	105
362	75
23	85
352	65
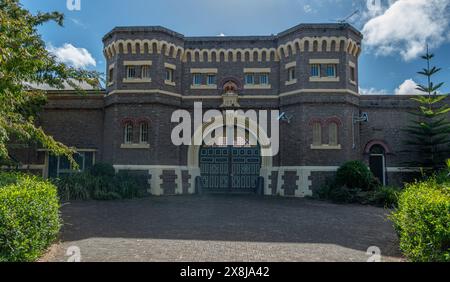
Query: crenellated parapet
270	49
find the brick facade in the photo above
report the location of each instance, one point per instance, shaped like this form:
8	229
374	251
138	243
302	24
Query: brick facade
96	121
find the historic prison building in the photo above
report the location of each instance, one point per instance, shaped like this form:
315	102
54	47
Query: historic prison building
308	73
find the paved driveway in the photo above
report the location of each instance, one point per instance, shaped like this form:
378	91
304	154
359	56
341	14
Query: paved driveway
224	228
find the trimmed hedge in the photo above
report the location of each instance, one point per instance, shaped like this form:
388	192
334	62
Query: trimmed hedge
423	221
100	183
29	216
356	175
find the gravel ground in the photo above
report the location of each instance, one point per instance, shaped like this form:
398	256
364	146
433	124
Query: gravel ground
223	228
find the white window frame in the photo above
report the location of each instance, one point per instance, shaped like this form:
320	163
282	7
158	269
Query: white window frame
128	133
129	68
145	71
252	76
266	76
143	133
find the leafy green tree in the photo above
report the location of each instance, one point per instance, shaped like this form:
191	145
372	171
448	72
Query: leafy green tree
24	60
429	132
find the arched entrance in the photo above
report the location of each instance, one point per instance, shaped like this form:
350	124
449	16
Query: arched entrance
231	169
247	161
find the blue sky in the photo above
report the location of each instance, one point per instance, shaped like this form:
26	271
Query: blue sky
396	31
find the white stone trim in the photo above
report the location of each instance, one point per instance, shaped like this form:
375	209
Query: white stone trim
323	61
137	80
170	66
290	82
138	63
257	86
170	83
326	147
352	64
172	50
204	70
257	70
317	91
324	79
204	87
135	146
151	91
290	65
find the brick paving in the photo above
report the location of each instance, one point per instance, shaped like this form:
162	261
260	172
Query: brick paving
224	228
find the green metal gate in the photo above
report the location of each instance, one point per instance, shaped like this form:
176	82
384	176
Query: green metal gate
230	169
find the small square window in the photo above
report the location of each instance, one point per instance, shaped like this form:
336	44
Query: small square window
315	70
331	70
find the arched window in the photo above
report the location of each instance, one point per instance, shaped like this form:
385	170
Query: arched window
333	134
143	132
128	133
317	134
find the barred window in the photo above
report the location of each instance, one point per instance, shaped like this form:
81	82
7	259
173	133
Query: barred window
143	132
264	79
249	78
131	72
128	133
317	134
315	70
145	71
197	79
331	70
211	79
333	134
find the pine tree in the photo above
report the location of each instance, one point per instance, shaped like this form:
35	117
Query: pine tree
429	132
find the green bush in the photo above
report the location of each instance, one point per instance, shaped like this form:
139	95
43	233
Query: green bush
385	196
355	175
29	216
100	185
102	169
422	221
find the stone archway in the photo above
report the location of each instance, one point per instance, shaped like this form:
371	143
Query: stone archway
193	158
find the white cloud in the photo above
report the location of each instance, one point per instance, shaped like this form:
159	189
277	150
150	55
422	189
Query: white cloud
221	34
73	56
408	87
406	26
307	8
372	91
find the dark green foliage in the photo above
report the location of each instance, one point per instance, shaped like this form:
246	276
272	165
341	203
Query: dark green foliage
355	175
24	61
103	169
101	183
385	197
423	221
429	132
29	216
